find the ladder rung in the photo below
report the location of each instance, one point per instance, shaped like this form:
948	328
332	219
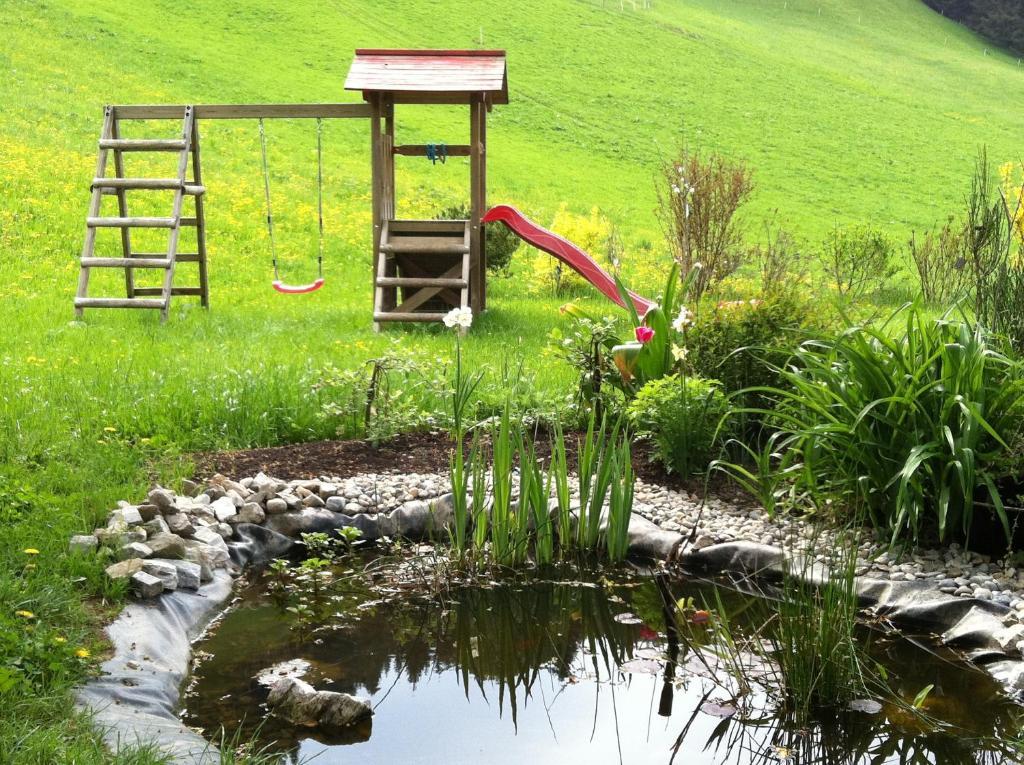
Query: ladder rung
188	221
425	245
394	316
126	263
170	184
117	303
135	144
181	257
174	291
408	281
131	222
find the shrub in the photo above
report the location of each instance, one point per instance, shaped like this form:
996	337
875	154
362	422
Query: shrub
682	416
592	233
858	260
941	264
912	424
699	196
499	241
743	343
780	264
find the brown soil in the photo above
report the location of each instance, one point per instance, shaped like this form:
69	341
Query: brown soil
413	453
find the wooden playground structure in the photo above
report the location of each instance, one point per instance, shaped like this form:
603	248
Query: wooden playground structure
421	268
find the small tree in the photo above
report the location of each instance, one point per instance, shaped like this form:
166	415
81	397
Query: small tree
859	260
698	199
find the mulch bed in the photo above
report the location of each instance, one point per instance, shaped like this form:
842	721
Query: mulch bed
412	453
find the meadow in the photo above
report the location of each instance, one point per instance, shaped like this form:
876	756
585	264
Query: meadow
847	112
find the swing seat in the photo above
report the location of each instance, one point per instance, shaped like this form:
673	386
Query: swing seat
300	289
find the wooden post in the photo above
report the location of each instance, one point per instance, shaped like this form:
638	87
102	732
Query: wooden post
483	208
197	176
389	156
376	182
476	203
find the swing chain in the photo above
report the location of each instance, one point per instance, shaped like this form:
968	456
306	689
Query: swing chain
319	198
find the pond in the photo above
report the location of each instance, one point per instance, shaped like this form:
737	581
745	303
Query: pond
565	666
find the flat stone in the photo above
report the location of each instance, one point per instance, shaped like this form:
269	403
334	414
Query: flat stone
146	585
124	569
313	500
84	543
326	490
190	574
205	557
189	487
135	550
224	509
165	571
210	537
167	546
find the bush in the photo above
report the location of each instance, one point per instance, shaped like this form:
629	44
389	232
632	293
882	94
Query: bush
912	424
743	343
858	260
698	198
941	264
682	416
593	233
499	241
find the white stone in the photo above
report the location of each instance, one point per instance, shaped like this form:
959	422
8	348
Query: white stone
146	585
163	570
84	543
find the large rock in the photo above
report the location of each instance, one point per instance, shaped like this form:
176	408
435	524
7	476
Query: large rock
207	558
300	703
162	498
163	570
276	506
250	513
124	569
156	526
167	546
129	515
179	523
146	585
224	508
135	550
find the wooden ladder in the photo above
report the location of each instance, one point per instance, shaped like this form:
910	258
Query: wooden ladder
427	265
118	185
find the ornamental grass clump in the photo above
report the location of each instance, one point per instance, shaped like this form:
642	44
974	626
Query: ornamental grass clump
913	423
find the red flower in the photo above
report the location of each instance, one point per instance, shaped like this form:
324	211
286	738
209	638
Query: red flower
644	334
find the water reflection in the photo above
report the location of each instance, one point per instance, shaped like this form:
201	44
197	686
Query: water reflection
567	669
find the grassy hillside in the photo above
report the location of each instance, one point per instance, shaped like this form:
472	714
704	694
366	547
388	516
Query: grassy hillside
867	111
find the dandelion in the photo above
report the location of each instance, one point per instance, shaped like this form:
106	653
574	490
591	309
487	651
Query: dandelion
25	614
110	429
31	551
644	334
82	653
60	640
459	317
683	320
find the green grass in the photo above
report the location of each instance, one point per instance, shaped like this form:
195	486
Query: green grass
872	114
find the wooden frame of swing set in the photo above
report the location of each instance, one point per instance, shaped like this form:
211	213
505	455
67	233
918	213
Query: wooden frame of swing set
420	267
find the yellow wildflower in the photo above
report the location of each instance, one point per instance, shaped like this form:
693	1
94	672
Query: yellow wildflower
31	551
82	653
25	614
110	429
60	639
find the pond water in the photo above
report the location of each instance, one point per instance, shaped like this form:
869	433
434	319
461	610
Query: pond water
565	668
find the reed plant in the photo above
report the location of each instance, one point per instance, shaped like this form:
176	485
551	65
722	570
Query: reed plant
910	422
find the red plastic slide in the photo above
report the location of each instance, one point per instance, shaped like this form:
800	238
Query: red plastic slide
565	251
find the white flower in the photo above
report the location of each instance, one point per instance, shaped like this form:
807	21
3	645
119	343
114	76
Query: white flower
675	189
459	317
679	352
683	320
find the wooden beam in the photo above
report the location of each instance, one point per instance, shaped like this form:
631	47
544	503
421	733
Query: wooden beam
244	111
475	204
420	150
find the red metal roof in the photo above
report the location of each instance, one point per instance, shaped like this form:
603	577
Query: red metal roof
430	71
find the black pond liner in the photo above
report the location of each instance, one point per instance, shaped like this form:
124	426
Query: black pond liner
136	700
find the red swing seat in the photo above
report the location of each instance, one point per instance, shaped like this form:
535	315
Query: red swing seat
301	289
